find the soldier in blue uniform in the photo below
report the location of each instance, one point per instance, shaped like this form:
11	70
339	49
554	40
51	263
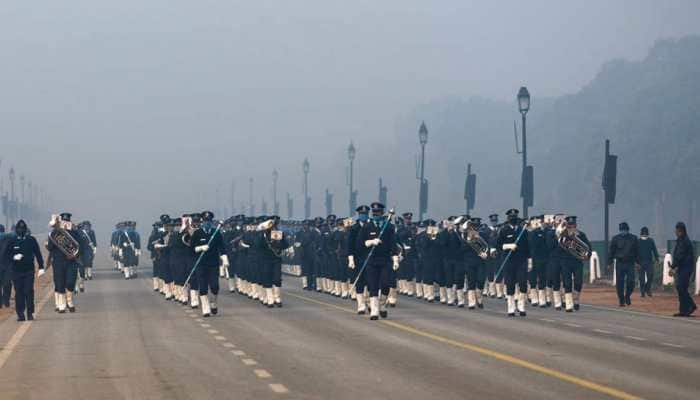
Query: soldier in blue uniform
208	243
91	241
129	243
65	267
452	264
512	240
494	286
379	237
537	276
431	257
572	267
406	236
271	243
21	252
474	265
357	254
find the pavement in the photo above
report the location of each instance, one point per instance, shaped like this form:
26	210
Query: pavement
126	342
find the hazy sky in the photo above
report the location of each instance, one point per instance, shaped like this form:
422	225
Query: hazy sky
129	108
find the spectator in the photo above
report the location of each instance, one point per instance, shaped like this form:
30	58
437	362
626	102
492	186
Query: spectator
683	268
648	257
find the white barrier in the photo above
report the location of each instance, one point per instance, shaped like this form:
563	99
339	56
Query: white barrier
666	279
594	267
614	273
697	277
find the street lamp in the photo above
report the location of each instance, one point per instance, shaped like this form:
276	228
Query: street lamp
307	201
423	188
526	189
353	196
13	200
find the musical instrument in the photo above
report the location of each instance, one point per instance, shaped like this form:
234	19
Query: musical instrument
572	243
432	232
276	235
62	239
472	237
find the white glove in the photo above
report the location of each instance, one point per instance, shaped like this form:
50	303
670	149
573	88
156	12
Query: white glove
407	247
94	250
121	253
351	262
395	266
159	245
510	246
126	244
224	260
244	245
373	242
41	272
18	257
492	251
201	249
138	252
54	220
297	244
529	265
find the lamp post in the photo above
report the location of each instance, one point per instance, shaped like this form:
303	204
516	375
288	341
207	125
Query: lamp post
525	189
12	202
423	189
353	196
275	204
307	201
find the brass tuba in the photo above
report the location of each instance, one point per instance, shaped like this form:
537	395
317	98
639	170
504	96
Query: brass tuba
475	241
62	239
572	243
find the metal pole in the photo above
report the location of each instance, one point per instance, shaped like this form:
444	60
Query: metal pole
306	195
524	167
351	189
606	219
422	179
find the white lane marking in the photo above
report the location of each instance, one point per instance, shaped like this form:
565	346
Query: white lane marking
643	314
7	350
229	345
547	320
602	331
238	353
205	326
199	319
213	331
678	346
636	338
573	325
188	311
262	374
249	361
278	388
193	316
219	338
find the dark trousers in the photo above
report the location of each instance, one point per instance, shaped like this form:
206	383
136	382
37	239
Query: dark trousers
5	287
685	300
277	273
554	269
572	275
24	292
538	275
64	277
307	270
449	267
361	278
475	274
624	276
646	276
515	271
208	277
378	278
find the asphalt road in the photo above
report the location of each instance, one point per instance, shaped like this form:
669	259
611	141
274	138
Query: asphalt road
125	342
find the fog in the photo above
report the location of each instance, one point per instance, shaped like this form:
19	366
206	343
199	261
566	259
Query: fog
124	110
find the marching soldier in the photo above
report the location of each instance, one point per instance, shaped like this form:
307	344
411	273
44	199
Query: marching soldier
91	240
540	257
406	236
379	236
357	254
129	244
21	252
513	242
65	264
495	286
208	243
431	258
306	241
624	249
572	267
271	243
474	264
453	262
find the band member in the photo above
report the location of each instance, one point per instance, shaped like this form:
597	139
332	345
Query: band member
341	243
208	243
495	287
91	240
512	240
357	254
682	268
65	266
572	266
452	264
271	243
624	249
5	272
540	258
431	257
476	250
21	252
380	238
158	244
129	244
648	257
406	236
557	255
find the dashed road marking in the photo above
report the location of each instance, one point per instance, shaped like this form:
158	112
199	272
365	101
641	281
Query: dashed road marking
637	338
205	326
193	316
219	338
229	345
262	374
213	331
573	325
278	388
547	320
238	353
249	361
602	331
678	346
199	319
